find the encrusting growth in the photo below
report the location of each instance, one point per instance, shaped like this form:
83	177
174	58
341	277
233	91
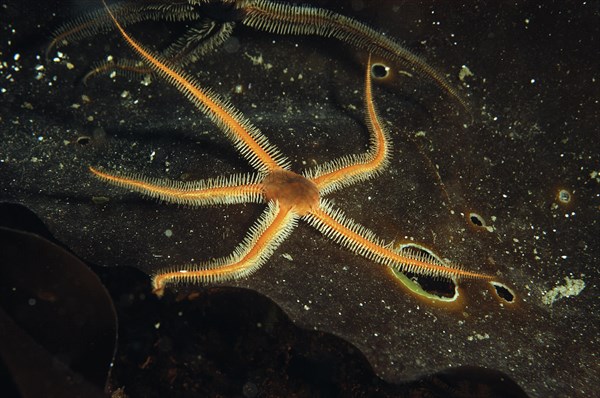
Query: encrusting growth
289	196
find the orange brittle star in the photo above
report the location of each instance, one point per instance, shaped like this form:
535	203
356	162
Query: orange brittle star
290	196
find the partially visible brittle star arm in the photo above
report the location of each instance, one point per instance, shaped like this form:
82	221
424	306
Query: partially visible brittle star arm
198	40
343	230
273	227
282	18
351	169
247	139
241	188
98	21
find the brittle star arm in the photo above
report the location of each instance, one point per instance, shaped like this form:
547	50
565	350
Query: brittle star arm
98	21
247	139
241	188
202	38
350	169
282	18
272	228
270	16
343	230
199	40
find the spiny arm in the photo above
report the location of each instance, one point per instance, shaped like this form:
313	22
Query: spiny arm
247	139
98	21
197	41
350	169
234	189
335	225
262	240
282	18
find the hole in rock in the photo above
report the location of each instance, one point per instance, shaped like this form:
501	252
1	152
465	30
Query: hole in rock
444	288
564	196
83	140
476	220
380	71
504	292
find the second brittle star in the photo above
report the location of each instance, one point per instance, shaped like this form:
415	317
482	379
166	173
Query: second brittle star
213	21
289	196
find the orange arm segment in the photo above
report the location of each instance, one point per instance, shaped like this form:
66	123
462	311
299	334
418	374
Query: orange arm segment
264	237
235	189
248	140
341	229
350	169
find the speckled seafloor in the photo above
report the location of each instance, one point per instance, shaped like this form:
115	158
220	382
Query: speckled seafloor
528	166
